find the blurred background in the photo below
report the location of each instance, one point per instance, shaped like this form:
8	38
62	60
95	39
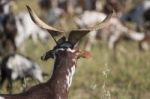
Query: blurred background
119	66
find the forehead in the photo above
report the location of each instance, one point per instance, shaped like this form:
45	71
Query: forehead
65	50
65	53
65	45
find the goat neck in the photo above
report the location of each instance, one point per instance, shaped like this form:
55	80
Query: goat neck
64	69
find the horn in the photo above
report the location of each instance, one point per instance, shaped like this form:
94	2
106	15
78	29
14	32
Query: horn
102	24
76	35
53	31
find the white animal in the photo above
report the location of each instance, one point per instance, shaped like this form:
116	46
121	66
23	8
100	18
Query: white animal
26	28
111	33
16	66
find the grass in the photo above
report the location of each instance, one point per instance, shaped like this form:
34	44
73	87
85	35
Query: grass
125	76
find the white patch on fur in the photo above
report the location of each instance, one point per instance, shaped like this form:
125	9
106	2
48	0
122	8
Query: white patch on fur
59	97
112	40
21	66
37	73
2	97
136	36
58	82
65	86
145	46
70	50
18	61
60	49
70	75
14	75
27	28
74	60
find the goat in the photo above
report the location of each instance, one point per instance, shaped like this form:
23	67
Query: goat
6	46
18	67
111	33
50	12
83	5
8	33
65	55
68	6
7	6
18	28
146	16
118	5
136	14
10	30
26	28
87	4
7	25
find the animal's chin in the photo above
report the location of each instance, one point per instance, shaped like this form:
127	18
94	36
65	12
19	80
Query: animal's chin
44	58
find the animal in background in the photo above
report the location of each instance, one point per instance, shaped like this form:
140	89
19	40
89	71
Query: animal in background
26	29
138	14
65	55
18	67
112	33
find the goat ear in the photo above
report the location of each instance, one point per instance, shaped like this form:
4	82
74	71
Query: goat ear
84	54
76	35
61	40
53	31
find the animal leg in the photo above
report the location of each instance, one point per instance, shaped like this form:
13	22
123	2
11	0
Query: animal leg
10	86
24	84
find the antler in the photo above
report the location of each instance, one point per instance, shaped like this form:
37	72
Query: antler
53	31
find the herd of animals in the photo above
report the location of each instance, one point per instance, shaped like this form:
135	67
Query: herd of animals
109	24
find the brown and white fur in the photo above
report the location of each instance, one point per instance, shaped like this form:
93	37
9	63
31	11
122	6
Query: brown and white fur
65	56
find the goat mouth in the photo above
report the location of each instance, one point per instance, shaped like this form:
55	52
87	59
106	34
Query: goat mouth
44	58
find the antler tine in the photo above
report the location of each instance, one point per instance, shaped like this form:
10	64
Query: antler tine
53	31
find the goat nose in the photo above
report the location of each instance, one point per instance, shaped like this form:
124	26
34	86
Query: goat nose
43	57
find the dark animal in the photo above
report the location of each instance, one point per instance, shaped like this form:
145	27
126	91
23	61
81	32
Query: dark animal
139	14
146	16
119	6
7	26
10	30
65	56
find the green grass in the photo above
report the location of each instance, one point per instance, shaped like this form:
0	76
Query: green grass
104	76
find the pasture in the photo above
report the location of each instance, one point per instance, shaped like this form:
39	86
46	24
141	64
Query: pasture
125	75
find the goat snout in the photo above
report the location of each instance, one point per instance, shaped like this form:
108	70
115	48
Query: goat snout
47	55
43	57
